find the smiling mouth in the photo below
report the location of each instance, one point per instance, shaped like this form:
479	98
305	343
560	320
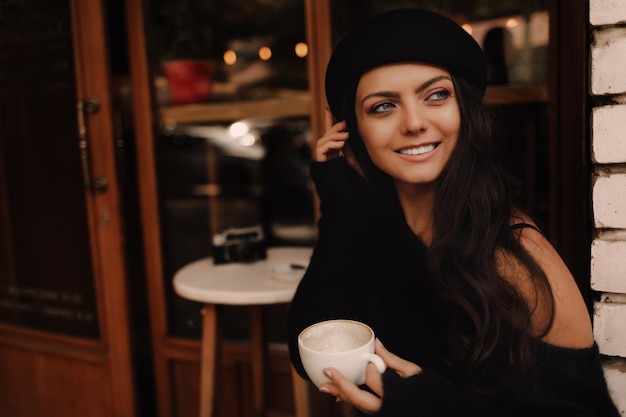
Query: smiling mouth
419	150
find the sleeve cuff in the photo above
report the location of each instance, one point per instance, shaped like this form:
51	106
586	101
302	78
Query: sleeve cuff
431	395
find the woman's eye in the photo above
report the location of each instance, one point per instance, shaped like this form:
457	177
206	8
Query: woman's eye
381	107
439	95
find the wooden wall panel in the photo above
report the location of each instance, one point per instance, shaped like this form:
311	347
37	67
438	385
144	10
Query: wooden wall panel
37	383
185	377
233	399
235	385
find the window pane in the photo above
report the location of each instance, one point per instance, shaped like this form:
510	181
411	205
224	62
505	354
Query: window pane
233	150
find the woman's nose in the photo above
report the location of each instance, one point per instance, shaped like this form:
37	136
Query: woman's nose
413	121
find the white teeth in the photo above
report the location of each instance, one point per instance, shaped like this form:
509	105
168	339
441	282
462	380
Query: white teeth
417	151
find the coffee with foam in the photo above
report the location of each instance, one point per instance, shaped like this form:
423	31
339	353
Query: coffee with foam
336	337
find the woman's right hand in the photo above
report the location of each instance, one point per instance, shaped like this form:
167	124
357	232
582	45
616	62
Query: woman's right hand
334	143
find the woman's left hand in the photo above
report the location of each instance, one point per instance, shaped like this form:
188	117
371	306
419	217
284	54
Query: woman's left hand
345	390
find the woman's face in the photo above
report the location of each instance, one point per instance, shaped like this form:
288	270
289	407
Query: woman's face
409	119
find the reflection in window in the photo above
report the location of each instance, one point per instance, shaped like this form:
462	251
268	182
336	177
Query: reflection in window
255	46
233	149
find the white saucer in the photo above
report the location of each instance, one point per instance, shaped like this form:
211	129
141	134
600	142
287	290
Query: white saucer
287	273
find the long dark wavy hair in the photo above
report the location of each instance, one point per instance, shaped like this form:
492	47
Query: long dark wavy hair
483	315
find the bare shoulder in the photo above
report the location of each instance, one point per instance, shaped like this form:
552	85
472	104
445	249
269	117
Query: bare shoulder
572	325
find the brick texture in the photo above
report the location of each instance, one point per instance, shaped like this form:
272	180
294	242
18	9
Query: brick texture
607	51
615	374
610	324
608	134
607	12
607	265
608	60
609	202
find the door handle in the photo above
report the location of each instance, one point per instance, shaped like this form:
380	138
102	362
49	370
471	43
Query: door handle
88	106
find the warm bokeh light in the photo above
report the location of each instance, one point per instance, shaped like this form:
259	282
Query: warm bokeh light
468	28
238	129
247	140
512	22
302	49
230	57
265	53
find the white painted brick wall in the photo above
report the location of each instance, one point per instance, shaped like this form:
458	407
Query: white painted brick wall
607	265
610	334
608	60
609	201
610	324
615	374
608	148
606	12
609	133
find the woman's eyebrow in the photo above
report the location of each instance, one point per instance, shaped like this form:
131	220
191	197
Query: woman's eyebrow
431	82
385	94
395	94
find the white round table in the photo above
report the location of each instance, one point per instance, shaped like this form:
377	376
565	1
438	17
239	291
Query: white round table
270	281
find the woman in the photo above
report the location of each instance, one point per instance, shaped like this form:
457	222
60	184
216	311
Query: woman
419	239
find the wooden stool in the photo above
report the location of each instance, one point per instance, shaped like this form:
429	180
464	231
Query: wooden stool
246	285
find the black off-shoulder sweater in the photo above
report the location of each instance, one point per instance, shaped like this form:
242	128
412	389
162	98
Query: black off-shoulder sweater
367	265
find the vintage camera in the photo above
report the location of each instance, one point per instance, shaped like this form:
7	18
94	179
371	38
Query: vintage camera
245	244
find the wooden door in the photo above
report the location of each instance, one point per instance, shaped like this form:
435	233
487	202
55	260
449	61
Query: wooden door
64	337
175	343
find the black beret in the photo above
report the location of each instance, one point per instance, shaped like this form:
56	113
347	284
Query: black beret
402	35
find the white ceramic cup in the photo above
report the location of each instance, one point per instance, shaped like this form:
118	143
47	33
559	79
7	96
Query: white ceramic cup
346	345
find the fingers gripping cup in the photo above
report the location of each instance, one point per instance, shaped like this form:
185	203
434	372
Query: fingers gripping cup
346	345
